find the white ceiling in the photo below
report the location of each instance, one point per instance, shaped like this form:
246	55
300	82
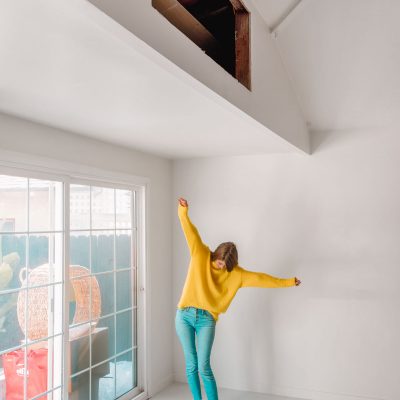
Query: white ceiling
60	68
343	58
274	11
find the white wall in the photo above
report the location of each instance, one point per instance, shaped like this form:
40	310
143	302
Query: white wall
333	220
17	135
272	100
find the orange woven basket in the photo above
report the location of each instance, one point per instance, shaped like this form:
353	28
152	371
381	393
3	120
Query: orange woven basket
87	313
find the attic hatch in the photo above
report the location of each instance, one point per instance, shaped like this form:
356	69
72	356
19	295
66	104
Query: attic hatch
221	28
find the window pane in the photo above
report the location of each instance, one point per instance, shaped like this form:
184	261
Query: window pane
125	372
124	290
102	251
12	260
13	204
15	360
85	300
80	251
41	322
103	208
42	356
123	249
103	382
103	340
45	259
79	207
45	205
79	353
11	333
79	387
106	283
123	208
124	331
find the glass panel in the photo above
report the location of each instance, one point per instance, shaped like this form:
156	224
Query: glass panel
125	373
78	387
44	366
124	290
45	205
12	260
79	348
103	209
80	250
79	207
13	367
123	249
36	315
103	382
102	251
124	331
103	340
45	259
11	334
106	284
79	302
42	322
13	204
123	208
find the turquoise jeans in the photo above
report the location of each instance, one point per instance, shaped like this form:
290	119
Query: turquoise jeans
191	321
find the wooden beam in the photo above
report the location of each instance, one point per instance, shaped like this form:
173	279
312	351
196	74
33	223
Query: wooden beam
242	48
238	6
242	43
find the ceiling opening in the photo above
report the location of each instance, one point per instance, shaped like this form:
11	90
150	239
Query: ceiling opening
221	28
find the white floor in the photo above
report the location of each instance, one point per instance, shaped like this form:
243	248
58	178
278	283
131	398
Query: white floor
180	391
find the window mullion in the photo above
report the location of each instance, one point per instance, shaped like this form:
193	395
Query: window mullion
67	289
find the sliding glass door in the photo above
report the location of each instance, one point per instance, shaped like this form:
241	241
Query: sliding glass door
31	288
102	336
68	289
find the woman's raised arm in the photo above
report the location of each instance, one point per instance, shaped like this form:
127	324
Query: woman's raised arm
191	233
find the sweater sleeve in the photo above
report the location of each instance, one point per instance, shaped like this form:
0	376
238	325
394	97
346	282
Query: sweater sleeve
191	233
260	279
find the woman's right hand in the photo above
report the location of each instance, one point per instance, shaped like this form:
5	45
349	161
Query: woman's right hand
183	202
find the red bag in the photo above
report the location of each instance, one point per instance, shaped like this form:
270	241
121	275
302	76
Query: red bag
14	369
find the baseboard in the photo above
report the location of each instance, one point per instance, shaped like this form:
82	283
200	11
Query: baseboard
297	393
160	385
313	394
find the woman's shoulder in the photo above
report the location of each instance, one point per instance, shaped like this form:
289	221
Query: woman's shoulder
202	251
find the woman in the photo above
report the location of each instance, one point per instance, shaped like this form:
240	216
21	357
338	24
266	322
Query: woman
211	283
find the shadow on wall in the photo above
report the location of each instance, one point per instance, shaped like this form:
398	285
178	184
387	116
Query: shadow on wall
328	137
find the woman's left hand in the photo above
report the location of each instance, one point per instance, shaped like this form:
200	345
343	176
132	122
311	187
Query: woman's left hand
297	281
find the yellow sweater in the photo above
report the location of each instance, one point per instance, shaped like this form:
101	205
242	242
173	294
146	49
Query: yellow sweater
209	287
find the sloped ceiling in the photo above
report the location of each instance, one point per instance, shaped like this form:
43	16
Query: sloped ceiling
59	68
343	58
66	64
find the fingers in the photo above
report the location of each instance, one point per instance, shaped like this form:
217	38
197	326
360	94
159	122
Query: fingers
183	202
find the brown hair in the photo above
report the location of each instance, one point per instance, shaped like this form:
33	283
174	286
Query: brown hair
226	252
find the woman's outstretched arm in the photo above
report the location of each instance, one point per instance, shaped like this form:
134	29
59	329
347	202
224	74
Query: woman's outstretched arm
191	233
261	279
